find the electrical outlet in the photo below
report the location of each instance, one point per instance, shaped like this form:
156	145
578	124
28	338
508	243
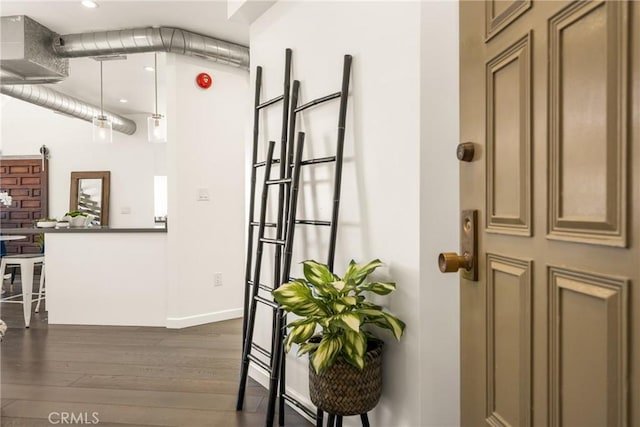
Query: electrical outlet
217	279
203	195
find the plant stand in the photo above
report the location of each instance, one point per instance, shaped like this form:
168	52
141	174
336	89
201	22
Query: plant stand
336	420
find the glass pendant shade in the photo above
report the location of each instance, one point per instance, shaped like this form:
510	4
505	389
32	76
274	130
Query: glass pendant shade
102	129
157	128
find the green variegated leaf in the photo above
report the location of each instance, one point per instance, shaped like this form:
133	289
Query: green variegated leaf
338	307
380	288
349	300
355	345
317	273
350	285
369	312
387	321
397	325
292	293
307	347
326	352
348	321
372	306
338	285
288	341
358	273
303	332
326	290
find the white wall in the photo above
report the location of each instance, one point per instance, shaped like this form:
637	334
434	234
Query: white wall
402	131
207	132
439	214
380	214
131	159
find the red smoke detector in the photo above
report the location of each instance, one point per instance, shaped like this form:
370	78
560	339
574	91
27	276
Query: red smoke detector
204	80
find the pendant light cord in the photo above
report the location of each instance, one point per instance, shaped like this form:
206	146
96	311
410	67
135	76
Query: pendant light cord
101	110
155	69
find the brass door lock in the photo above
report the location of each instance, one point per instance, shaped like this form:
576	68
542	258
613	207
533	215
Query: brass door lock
450	262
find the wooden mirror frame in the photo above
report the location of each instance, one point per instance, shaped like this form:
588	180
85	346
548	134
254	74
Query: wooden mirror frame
105	176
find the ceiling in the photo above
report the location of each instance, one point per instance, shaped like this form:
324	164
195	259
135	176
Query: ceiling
125	79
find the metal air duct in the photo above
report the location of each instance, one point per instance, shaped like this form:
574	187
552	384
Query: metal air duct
65	104
150	39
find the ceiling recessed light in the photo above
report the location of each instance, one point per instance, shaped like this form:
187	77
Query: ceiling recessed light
90	4
148	68
124	101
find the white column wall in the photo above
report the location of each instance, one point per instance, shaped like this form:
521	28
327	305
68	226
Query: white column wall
439	215
380	216
207	132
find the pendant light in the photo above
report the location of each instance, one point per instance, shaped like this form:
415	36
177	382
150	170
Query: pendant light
102	131
156	124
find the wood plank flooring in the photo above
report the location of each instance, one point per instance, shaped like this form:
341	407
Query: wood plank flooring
129	376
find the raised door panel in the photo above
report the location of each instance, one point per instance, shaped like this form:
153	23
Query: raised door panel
500	13
508	332
588	346
508	82
588	123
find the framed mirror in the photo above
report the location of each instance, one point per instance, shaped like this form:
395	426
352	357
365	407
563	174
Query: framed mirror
90	194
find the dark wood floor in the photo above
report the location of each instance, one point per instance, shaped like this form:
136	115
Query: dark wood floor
129	376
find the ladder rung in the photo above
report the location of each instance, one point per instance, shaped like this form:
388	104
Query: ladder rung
265	288
273	241
261	164
265	301
318	101
262	286
295	402
263	351
316	161
259	363
278	181
269	102
313	222
266	224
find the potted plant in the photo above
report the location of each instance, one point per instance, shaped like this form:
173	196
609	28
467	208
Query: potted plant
345	372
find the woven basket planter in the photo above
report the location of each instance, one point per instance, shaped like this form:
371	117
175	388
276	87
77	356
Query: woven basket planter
342	389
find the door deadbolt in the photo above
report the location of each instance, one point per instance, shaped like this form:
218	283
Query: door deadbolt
450	262
465	151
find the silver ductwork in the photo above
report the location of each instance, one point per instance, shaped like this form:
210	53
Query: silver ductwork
65	104
27	52
150	39
32	54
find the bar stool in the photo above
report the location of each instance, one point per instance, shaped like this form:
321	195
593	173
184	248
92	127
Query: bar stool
27	263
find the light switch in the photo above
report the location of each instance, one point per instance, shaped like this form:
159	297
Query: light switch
125	210
203	195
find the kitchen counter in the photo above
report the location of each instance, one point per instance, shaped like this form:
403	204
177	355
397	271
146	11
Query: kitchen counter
105	229
104	275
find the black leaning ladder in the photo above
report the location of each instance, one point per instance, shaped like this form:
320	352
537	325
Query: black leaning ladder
281	274
343	95
252	224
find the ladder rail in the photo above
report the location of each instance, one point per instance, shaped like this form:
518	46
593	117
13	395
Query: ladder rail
254	165
278	353
333	224
254	158
246	348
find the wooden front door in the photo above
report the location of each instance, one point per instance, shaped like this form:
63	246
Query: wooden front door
27	184
550	96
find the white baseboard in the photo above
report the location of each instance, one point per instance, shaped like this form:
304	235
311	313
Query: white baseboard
201	319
